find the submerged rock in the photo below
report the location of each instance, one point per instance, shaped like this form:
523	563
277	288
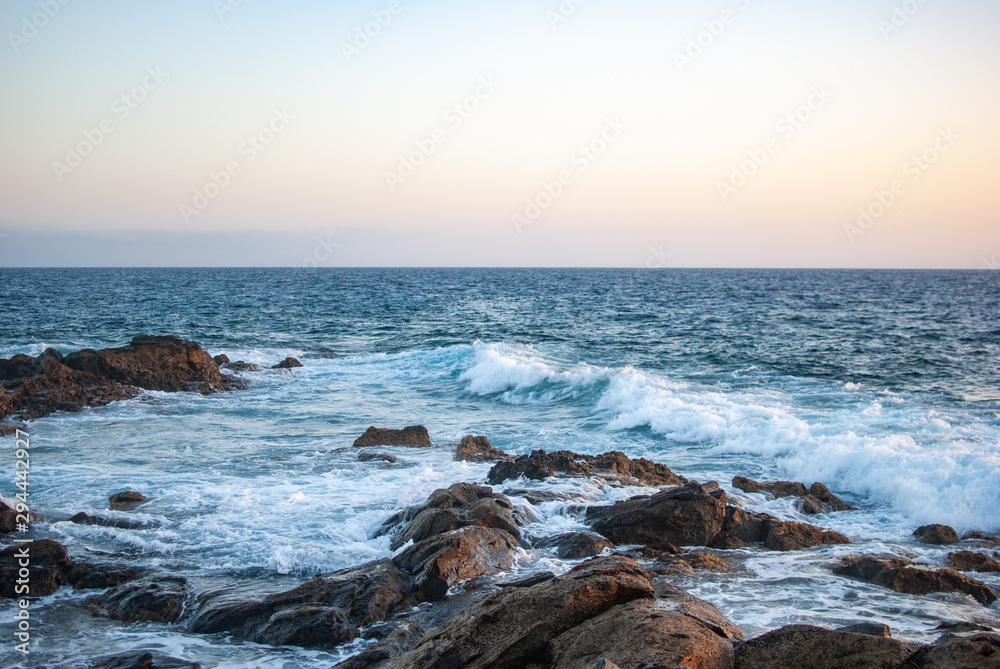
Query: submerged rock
615	465
368	457
156	598
241	366
816	499
905	576
141	660
576	545
288	363
415	435
48	565
809	647
101	576
119	523
939	535
125	501
478	449
972	561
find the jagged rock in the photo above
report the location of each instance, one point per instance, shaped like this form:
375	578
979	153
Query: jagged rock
443	560
221	359
685	516
461	505
124	501
939	535
119	523
984	540
809	647
513	628
156	598
576	545
743	528
141	660
615	465
962	626
817	499
368	457
978	651
288	363
400	640
688	563
415	435
972	561
101	577
869	628
49	565
326	611
904	576
669	596
478	449
241	366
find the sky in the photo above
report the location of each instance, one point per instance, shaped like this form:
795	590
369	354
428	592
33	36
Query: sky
731	133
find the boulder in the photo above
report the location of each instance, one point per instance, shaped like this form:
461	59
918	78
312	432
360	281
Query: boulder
101	576
972	561
744	528
905	576
576	545
157	598
688	563
241	366
809	647
368	457
983	540
816	499
977	651
119	523
443	560
324	612
288	363
478	449
48	565
869	628
939	535
220	359
415	435
125	501
615	465
378	656
141	660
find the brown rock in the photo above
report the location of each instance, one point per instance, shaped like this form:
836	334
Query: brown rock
790	536
817	499
404	637
241	366
904	576
869	628
936	535
220	359
978	651
972	561
120	523
101	577
415	435
809	647
615	465
443	560
141	660
125	501
984	540
288	363
368	457
155	598
8	518
687	563
744	528
48	568
478	449
576	545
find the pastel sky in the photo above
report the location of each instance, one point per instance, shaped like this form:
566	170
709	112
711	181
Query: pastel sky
742	133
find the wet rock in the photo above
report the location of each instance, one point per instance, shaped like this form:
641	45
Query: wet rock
288	363
576	545
541	496
8	518
221	359
241	366
156	598
939	535
443	560
905	576
478	449
368	457
984	540
514	628
7	430
869	628
686	516
461	505
324	612
669	596
415	435
972	561
816	499
978	651
791	536
615	465
141	660
49	565
688	563
743	528
526	581
962	626
809	647
125	501
400	640
101	577
119	523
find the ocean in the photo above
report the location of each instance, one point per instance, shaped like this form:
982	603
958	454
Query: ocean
884	385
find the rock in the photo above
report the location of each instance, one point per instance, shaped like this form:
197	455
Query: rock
221	359
368	457
48	566
809	647
541	496
119	523
790	536
156	598
443	560
540	465
688	563
514	628
526	581
461	505
743	528
576	545
478	449
141	660
984	540
904	576
823	494
978	651
817	499
962	626
7	430
101	577
869	628
936	535
8	518
324	612
288	363
241	366
415	435
686	516
972	561
125	501
400	640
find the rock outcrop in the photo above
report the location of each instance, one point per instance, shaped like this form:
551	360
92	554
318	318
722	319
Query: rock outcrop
816	499
936	535
576	545
972	561
743	528
157	598
288	363
48	566
377	656
906	576
125	501
615	465
119	523
415	435
478	449
809	647
141	660
977	651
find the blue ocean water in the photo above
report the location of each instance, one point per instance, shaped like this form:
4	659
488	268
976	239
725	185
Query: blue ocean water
885	385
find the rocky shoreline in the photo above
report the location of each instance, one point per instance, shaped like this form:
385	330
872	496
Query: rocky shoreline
447	597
